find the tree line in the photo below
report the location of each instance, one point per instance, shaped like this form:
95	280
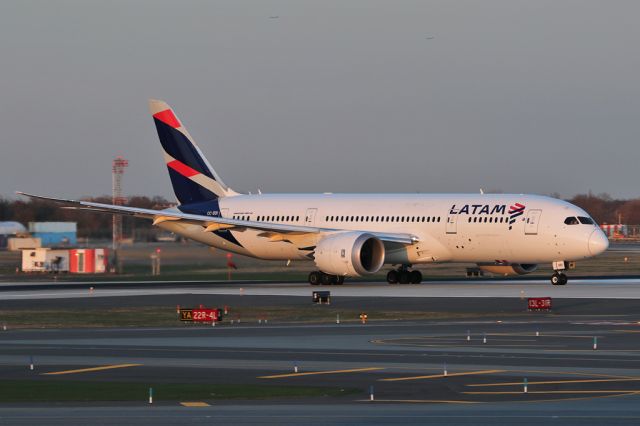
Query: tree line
602	207
90	225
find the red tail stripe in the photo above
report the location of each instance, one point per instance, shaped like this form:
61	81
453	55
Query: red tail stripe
182	168
167	117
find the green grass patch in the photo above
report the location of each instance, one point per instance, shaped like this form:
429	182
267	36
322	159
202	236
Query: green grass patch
59	391
156	316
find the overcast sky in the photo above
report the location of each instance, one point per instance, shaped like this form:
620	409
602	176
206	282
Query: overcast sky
338	96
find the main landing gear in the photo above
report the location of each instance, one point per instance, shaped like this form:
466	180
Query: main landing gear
319	277
403	275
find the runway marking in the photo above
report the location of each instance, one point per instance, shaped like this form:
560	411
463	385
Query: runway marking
194	404
312	373
572	373
419	401
628	391
556	382
438	376
87	370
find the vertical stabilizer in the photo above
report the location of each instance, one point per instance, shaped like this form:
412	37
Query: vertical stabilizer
192	177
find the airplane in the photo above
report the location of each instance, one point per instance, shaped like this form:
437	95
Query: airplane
353	235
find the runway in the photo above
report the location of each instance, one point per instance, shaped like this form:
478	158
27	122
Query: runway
578	288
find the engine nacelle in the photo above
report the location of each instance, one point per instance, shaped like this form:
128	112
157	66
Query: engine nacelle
510	269
349	254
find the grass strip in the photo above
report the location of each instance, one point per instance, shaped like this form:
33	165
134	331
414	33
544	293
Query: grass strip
60	391
155	316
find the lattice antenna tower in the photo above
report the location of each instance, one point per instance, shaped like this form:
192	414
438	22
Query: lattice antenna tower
119	164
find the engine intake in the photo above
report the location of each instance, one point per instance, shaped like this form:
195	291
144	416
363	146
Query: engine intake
350	254
510	269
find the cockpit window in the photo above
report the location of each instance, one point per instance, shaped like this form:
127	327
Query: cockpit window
585	220
571	221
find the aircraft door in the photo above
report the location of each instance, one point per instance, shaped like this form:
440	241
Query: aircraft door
224	213
452	224
532	221
310	217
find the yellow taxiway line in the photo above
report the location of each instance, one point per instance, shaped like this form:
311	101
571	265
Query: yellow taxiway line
312	373
439	376
194	404
87	370
627	391
423	401
555	382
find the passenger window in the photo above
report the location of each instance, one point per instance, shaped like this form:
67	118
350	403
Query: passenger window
585	220
571	221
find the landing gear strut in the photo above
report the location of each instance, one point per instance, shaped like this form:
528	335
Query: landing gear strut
403	275
319	277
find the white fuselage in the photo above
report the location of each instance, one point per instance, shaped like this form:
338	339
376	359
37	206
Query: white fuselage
503	228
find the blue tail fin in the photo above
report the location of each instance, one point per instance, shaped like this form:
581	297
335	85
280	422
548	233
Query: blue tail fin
192	177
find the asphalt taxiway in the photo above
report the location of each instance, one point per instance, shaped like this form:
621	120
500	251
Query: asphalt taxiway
578	288
448	371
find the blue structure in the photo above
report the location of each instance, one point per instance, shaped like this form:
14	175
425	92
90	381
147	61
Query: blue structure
55	234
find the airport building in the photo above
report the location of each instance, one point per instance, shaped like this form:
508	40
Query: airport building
55	234
10	230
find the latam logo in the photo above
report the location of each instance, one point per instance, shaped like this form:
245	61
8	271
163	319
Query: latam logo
515	211
478	209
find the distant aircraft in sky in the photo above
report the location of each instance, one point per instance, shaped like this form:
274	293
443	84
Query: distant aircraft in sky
350	235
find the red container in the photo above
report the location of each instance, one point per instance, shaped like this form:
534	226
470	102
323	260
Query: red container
88	261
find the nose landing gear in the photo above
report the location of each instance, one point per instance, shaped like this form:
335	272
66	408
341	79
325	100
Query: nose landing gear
558	277
403	275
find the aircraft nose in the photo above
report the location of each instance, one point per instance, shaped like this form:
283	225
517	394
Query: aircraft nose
598	242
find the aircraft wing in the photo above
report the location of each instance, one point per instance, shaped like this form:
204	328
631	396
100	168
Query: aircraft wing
213	223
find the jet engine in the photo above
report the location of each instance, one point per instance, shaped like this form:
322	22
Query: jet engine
508	269
349	254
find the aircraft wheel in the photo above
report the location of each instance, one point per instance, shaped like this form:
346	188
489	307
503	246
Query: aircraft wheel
314	278
558	278
339	280
416	277
392	277
404	277
326	279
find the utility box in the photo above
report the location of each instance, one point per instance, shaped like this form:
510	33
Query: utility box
322	297
45	260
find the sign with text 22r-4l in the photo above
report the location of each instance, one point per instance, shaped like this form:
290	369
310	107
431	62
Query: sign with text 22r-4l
200	315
